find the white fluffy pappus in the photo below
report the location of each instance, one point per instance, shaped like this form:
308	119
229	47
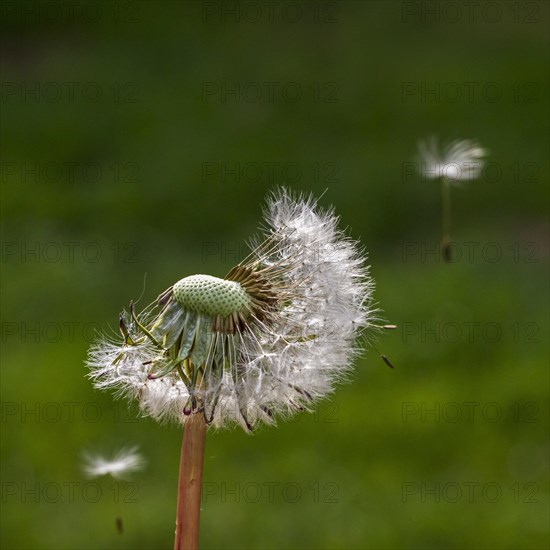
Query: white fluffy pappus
122	462
271	338
460	160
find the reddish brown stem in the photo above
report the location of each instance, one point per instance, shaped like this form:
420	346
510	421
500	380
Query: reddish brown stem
190	483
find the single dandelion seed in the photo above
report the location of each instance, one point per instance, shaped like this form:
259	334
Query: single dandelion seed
453	164
266	341
122	463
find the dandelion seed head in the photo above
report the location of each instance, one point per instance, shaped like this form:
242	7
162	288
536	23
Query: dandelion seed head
276	334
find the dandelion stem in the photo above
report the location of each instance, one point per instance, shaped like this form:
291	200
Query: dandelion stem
446	217
190	482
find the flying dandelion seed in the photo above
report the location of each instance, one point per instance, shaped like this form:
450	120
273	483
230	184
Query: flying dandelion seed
459	161
122	463
455	163
268	340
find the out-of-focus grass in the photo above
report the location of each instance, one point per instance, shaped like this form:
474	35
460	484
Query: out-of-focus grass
358	472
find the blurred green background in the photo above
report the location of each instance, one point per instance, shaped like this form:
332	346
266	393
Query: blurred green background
122	124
